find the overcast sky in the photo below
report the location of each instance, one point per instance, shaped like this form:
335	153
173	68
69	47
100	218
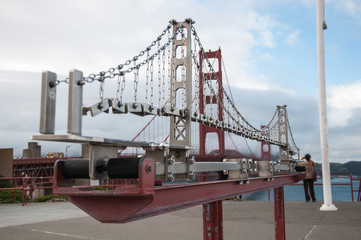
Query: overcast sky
269	51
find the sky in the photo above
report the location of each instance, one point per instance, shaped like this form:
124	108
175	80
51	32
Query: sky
269	51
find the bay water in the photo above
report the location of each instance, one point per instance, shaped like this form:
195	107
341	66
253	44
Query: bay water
296	192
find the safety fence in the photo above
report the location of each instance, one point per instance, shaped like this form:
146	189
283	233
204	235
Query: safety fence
28	186
354	188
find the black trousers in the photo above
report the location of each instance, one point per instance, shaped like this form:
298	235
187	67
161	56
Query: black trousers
308	185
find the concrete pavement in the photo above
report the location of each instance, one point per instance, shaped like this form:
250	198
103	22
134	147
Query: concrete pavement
241	220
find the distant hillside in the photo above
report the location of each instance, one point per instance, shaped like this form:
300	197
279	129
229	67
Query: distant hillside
349	167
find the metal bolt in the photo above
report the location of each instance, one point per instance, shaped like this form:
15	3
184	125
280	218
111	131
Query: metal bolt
192	160
171	160
171	177
52	84
192	175
149	168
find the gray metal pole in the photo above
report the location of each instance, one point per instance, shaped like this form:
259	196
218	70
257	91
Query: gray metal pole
327	195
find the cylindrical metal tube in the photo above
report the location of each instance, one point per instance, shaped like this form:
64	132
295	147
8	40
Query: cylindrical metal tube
123	167
78	168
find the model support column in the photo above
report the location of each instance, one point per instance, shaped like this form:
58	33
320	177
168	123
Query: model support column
326	178
283	134
181	91
213	221
48	103
75	102
265	146
279	208
180	127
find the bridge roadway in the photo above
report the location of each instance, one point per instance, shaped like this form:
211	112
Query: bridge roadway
241	219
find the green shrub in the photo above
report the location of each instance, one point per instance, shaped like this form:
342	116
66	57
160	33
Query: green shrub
6	183
7	196
48	198
97	188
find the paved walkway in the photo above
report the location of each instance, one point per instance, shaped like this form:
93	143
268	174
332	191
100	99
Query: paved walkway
242	220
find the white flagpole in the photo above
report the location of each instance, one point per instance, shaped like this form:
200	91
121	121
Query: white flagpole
326	176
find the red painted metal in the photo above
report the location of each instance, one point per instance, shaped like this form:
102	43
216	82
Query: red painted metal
213	221
203	129
279	209
358	199
359	191
27	185
133	202
265	149
35	167
111	206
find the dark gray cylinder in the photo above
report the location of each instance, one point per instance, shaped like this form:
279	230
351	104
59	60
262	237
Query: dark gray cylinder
123	167
76	168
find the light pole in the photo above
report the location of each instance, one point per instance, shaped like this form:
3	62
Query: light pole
326	177
66	151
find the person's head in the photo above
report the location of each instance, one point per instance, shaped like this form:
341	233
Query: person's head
307	156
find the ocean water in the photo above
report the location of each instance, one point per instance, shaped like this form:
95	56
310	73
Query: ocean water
296	192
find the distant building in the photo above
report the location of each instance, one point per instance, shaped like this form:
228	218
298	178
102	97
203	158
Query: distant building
33	150
55	155
6	162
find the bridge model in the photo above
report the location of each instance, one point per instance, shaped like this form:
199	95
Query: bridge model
164	73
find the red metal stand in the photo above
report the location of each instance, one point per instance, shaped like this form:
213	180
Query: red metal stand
279	208
213	221
120	204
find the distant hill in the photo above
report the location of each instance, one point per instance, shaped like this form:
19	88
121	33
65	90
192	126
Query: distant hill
349	167
353	167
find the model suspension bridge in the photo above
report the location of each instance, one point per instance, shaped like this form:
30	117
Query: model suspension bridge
174	78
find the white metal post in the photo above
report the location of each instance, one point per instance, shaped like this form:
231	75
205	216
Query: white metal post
327	195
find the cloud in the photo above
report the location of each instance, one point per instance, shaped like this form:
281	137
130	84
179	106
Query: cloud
94	36
91	42
292	38
350	7
345	96
267	57
342	100
345	139
304	121
59	36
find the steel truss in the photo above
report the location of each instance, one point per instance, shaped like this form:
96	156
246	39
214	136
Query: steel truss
35	167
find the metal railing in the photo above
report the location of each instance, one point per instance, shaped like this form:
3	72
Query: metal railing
355	190
351	184
27	185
